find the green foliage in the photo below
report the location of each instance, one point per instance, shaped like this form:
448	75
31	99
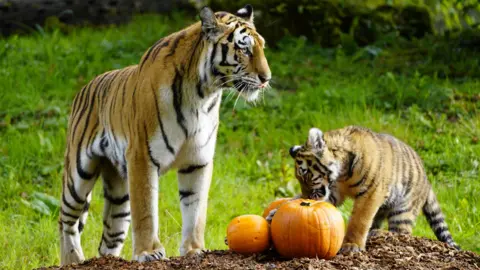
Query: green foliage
395	86
325	21
43	204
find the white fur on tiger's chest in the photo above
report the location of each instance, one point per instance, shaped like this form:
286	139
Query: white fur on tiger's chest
188	139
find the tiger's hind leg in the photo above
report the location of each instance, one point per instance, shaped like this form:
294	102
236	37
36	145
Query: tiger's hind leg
402	218
116	212
84	215
378	221
79	179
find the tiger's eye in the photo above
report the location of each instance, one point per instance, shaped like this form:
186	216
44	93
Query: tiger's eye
246	52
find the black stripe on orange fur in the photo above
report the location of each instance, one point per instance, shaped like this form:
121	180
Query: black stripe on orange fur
152	159
177	101
177	39
164	136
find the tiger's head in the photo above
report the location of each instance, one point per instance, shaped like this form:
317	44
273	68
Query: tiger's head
235	57
318	165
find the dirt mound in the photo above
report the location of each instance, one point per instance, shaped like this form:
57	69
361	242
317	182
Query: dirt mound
384	251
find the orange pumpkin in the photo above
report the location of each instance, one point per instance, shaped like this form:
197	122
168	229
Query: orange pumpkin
248	234
274	205
307	228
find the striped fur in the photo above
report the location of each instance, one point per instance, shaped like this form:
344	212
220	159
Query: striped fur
383	175
132	125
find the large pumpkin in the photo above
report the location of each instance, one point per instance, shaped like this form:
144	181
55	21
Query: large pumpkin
307	228
248	234
274	205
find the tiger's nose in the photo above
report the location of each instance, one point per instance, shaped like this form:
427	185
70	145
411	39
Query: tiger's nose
264	78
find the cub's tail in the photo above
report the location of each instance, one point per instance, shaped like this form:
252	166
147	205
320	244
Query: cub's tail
436	219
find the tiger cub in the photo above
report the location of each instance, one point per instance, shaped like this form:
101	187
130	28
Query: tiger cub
383	175
130	126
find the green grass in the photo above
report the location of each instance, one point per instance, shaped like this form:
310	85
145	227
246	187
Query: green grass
327	88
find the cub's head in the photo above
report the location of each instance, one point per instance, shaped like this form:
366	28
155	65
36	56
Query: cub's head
318	164
235	57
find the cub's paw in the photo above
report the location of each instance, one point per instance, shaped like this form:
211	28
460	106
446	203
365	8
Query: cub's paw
195	252
270	215
374	232
350	248
156	255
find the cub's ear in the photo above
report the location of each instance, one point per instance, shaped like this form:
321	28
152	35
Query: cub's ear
210	25
294	150
246	13
315	139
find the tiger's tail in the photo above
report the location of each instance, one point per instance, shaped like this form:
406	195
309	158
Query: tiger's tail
436	219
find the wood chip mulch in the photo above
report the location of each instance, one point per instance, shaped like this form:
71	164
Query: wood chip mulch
384	251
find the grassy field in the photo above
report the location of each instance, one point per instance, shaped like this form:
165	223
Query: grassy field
387	90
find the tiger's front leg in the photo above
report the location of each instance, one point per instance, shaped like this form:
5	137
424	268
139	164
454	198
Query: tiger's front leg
193	185
143	185
365	208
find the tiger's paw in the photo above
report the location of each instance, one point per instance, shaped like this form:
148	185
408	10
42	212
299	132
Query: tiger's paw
73	256
156	255
350	248
270	215
374	232
196	252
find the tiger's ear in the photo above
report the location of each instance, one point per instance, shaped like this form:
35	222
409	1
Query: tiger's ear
210	25
294	150
315	139
246	13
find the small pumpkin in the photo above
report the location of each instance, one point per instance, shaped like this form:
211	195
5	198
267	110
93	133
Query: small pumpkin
274	205
307	228
248	234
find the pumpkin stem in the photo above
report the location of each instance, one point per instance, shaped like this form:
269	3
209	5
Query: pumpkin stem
305	204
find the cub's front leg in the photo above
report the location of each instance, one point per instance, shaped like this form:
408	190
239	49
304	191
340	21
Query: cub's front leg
364	210
143	185
193	185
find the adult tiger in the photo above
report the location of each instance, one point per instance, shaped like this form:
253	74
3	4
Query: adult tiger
132	125
382	174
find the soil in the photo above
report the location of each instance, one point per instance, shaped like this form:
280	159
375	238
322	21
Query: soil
384	251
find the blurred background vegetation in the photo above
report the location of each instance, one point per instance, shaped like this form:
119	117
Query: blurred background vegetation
327	21
322	21
451	27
